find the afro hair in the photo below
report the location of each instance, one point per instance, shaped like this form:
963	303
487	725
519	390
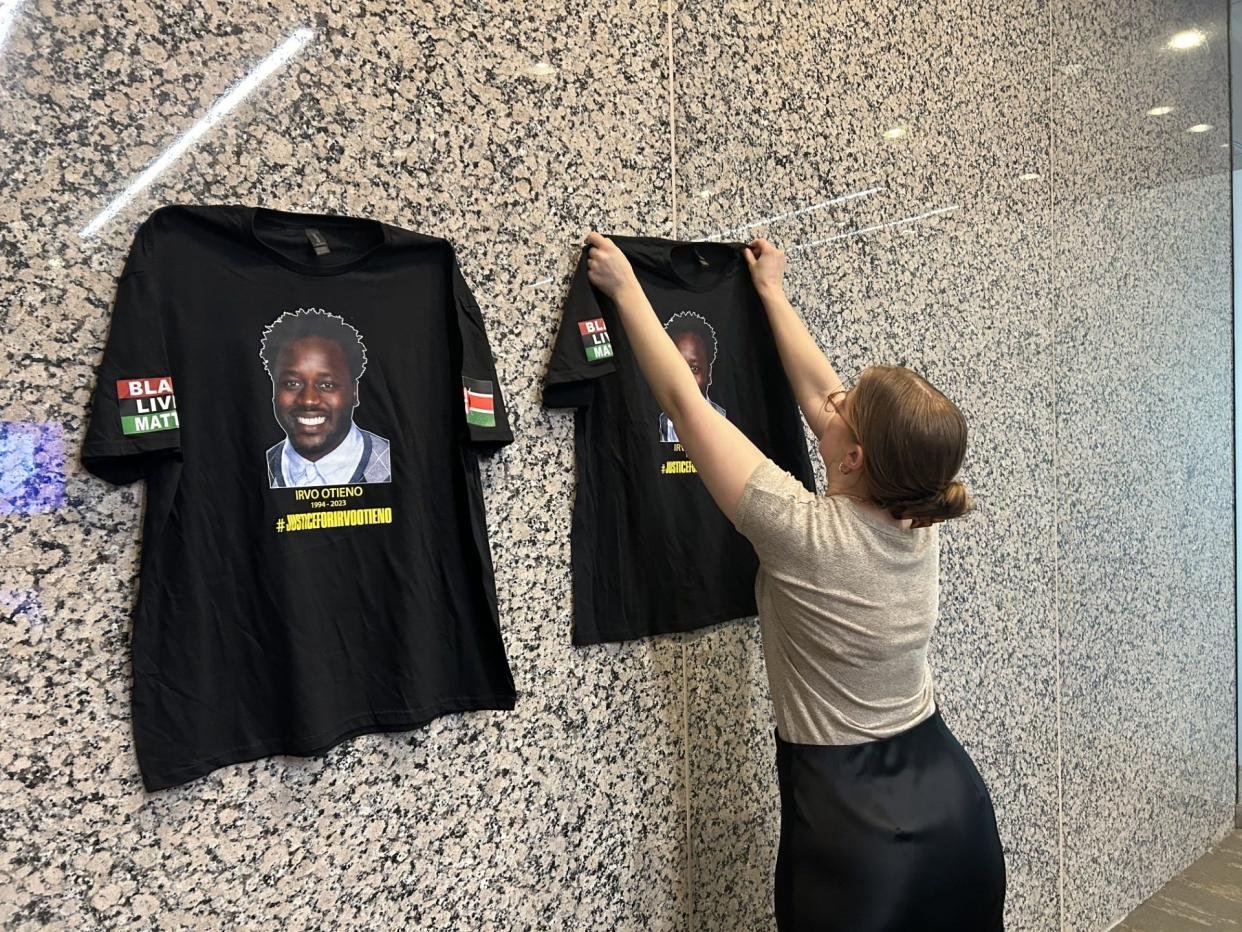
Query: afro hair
312	322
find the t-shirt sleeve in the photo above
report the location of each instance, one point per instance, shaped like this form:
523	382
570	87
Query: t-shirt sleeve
777	514
134	420
485	418
583	348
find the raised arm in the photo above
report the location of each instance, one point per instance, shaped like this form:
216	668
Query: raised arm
722	455
810	374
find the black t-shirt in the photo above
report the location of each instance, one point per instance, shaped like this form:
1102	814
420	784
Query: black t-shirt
652	553
306	397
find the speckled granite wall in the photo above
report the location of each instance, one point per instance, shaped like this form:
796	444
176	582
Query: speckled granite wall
1144	466
1065	278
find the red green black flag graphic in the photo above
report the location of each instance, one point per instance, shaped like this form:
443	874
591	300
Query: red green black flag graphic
477	394
147	405
595	339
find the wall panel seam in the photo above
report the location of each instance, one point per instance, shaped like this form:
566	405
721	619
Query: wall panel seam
1056	479
683	648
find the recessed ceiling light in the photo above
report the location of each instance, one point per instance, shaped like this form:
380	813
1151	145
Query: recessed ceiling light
1187	39
895	132
1159	111
1029	176
1200	128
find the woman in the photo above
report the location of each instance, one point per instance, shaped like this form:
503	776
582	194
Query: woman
885	821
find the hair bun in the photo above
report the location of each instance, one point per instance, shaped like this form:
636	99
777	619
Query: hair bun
956	499
952	501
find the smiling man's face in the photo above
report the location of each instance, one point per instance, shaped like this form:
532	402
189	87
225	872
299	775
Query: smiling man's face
314	396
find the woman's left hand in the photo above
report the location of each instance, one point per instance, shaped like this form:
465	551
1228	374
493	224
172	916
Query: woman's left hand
607	267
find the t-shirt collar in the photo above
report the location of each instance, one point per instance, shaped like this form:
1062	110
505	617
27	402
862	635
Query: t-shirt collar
724	260
254	216
337	468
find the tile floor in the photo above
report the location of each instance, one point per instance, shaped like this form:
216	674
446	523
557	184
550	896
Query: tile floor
1206	895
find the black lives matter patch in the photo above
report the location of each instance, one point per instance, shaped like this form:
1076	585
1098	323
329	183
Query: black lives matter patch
595	339
147	405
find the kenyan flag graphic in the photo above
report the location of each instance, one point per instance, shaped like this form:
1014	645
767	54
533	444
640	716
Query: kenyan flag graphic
477	394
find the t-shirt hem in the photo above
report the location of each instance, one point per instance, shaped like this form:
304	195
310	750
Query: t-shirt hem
489	440
601	636
122	447
574	389
852	738
565	376
322	742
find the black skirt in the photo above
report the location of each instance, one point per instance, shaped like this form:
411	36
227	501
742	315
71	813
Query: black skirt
895	834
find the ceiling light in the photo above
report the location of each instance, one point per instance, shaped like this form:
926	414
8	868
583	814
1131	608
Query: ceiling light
1029	176
1200	128
1187	39
895	132
1159	111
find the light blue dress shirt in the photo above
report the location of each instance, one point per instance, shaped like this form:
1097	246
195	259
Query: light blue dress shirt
337	468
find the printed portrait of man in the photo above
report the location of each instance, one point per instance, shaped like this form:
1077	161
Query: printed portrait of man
315	360
696	340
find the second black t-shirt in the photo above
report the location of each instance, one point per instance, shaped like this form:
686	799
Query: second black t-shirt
652	553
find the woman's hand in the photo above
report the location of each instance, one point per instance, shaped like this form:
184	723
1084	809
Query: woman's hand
767	264
607	267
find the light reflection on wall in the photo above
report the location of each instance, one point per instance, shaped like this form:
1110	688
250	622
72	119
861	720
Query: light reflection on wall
239	92
875	227
32	467
768	221
23	605
8	15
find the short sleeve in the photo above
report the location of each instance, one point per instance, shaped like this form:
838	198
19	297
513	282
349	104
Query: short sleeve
134	420
777	514
583	350
485	418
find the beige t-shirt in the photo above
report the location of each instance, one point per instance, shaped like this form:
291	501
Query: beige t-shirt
846	608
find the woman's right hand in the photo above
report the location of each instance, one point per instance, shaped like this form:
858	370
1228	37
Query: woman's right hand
767	264
607	267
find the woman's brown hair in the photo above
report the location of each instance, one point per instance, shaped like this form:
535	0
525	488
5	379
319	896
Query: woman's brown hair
914	441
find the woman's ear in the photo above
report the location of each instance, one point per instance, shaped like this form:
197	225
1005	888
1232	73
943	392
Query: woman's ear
854	458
